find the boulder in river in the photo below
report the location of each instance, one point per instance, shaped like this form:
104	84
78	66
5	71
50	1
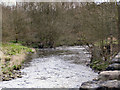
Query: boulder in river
109	75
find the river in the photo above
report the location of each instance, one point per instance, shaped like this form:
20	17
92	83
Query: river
63	67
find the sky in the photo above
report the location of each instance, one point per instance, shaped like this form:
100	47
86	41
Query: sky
54	0
7	0
13	2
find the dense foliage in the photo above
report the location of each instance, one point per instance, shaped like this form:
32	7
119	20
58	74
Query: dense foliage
54	24
44	25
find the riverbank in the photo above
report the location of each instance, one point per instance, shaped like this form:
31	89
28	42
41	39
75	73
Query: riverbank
107	79
63	67
13	55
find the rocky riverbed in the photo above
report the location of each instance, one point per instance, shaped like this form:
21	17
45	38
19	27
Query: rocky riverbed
63	67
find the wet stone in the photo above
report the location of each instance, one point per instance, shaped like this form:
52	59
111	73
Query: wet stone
96	79
109	75
101	85
43	78
11	76
116	60
19	76
111	84
67	77
114	66
117	56
6	79
89	84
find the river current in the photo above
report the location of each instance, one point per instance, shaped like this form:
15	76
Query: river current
63	67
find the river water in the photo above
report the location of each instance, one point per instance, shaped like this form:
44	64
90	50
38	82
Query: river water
63	67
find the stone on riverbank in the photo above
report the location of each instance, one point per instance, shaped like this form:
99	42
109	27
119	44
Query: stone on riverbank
1	58
118	55
114	66
111	84
116	60
89	85
101	85
109	75
13	75
107	80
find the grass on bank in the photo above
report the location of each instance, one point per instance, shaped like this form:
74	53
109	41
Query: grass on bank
105	42
98	63
12	49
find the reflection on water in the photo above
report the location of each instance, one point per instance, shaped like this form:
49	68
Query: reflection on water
63	67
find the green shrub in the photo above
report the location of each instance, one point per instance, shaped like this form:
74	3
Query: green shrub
99	65
14	67
15	48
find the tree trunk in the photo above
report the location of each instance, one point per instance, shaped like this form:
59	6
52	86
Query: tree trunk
118	7
111	44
